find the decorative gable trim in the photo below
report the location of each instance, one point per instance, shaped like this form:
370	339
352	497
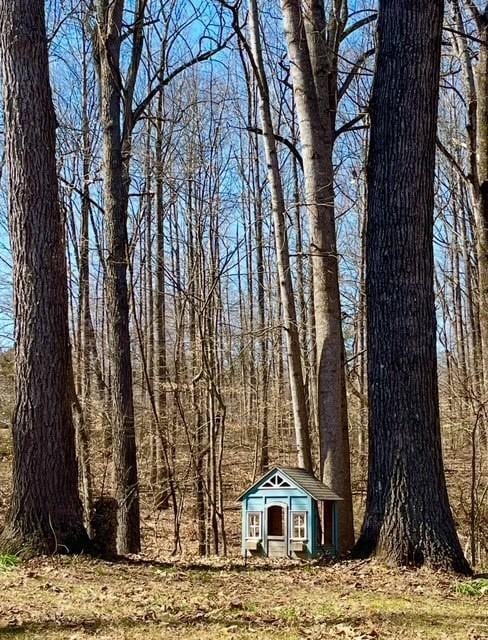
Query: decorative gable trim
276	482
263	480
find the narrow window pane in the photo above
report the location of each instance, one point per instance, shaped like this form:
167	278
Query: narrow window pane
254	525
299	526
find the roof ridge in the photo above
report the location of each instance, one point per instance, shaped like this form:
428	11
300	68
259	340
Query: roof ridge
305	480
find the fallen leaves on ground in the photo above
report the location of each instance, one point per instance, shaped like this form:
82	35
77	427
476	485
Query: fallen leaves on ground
79	598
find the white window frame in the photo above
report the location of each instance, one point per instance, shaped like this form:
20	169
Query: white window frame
248	525
305	525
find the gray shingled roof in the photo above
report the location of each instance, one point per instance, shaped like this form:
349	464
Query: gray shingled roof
310	484
303	479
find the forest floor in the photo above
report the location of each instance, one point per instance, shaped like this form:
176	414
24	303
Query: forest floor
78	598
153	598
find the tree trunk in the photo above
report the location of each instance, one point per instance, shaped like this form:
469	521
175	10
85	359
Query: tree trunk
408	519
161	367
45	514
300	413
86	337
481	205
476	91
316	142
115	201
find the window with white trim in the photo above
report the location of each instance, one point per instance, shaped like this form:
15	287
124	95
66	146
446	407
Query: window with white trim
299	525
254	524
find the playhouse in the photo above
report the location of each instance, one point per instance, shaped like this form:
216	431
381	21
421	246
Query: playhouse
288	512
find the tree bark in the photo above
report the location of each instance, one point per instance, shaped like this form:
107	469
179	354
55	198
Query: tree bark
161	367
481	204
316	143
476	91
300	412
45	514
116	187
408	519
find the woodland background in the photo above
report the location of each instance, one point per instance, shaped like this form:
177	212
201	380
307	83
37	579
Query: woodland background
211	392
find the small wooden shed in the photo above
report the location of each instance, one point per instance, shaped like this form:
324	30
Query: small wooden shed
288	512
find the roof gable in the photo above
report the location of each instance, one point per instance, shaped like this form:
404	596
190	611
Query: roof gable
277	481
299	478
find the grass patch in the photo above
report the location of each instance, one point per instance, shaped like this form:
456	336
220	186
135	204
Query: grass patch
290	615
8	562
477	587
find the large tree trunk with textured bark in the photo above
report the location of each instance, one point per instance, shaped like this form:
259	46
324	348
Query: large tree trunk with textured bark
316	136
408	519
45	514
116	188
